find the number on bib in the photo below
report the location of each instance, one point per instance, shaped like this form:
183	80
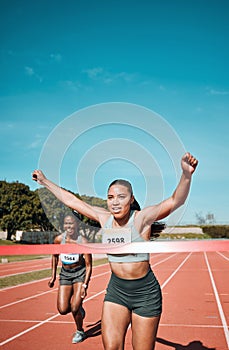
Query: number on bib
116	236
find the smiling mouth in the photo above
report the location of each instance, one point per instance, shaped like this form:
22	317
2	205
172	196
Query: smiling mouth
69	230
116	209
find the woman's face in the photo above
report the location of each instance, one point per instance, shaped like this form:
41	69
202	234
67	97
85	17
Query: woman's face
70	225
119	200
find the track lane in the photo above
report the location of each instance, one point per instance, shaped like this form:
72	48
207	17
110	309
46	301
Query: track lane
15	268
43	307
190	318
218	273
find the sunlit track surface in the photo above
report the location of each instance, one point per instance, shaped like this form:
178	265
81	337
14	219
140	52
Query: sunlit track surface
195	287
15	268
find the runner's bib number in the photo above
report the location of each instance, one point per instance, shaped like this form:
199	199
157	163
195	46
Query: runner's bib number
116	236
69	258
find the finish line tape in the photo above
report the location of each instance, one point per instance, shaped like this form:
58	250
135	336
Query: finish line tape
135	247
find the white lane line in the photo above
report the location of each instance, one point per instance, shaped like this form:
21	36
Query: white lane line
88	322
174	272
11	270
171	276
222	316
93	296
40	280
43	293
225	257
25	272
23	284
189	325
42	322
161	261
28	298
51	318
39	268
28	330
26	262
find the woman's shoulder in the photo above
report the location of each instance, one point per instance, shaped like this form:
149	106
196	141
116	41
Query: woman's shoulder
139	224
103	215
58	239
108	217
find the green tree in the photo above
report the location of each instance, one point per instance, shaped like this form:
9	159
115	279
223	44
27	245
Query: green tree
56	211
39	219
50	211
39	210
16	207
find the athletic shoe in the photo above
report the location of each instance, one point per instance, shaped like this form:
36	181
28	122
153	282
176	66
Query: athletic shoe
82	311
78	337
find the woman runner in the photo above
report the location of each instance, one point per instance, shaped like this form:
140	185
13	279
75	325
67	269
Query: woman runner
74	277
133	294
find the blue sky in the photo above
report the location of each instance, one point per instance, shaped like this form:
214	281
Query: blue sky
170	57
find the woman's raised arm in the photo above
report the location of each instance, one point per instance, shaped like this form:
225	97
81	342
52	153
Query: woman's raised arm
179	196
66	197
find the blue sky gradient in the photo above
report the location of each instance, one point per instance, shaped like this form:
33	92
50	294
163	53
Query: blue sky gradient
168	56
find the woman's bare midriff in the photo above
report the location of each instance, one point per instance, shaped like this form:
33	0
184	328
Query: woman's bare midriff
129	271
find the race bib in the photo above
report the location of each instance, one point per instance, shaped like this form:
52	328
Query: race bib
116	236
69	259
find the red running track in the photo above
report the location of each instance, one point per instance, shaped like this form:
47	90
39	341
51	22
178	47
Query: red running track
18	267
195	289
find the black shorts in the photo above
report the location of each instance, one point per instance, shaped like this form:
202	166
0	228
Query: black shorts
141	296
71	276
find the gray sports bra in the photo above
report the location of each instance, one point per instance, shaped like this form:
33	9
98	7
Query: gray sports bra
135	237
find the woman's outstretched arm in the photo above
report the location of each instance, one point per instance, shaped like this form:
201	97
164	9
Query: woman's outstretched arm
67	198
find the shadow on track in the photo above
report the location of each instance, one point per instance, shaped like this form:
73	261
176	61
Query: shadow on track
94	329
194	345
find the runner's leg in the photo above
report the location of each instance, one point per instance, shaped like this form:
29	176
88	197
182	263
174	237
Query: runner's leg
76	302
64	299
115	321
144	331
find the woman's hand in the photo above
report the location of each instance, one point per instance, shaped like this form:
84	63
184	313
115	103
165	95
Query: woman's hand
83	291
51	282
188	163
38	176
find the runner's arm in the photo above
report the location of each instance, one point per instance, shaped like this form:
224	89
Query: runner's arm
179	196
88	262
67	198
54	264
